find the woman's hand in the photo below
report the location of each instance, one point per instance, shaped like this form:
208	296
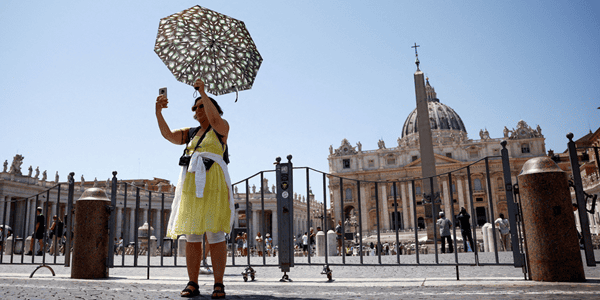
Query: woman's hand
161	102
199	85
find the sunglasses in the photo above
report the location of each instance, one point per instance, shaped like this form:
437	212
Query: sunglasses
194	108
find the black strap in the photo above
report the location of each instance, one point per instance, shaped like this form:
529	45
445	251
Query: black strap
192	132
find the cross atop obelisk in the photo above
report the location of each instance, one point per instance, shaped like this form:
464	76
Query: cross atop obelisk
416	55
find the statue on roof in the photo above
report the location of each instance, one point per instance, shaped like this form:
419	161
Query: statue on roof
15	167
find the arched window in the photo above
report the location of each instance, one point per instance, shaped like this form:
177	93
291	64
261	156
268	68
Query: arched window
525	148
500	183
348	194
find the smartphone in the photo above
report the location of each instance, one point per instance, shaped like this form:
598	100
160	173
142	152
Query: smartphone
162	91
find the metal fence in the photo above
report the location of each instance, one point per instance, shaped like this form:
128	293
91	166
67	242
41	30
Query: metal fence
134	205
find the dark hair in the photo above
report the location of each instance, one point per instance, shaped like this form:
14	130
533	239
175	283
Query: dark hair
502	216
214	103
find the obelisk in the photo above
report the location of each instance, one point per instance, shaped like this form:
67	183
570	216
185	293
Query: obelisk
430	193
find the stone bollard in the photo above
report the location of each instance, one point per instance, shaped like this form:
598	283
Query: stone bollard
90	248
152	246
549	224
27	245
167	248
181	242
331	243
8	246
486	237
320	243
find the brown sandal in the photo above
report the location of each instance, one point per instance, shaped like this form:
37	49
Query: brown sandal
220	293
190	293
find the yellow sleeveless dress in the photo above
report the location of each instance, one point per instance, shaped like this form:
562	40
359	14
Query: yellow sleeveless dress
212	211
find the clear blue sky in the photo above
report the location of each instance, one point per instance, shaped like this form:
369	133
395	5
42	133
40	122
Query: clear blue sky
79	79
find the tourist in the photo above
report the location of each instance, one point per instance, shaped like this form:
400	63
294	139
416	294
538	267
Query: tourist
444	226
305	244
203	204
338	232
465	229
56	230
259	244
311	238
269	244
120	246
40	226
245	244
239	241
504	229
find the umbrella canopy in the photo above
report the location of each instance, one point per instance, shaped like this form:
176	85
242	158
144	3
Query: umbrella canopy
201	43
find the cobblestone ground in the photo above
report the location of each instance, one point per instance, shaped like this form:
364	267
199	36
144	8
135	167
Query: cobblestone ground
350	282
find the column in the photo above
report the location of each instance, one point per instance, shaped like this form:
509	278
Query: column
363	208
132	224
384	203
447	203
144	212
275	233
405	212
119	220
411	206
461	195
493	188
2	201
338	210
255	227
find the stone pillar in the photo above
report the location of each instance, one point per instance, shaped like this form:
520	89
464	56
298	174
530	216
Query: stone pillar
144	212
331	243
363	208
411	207
181	244
8	246
255	228
447	203
493	188
461	195
90	250
119	220
152	246
405	212
554	253
385	209
132	228
275	233
338	210
320	243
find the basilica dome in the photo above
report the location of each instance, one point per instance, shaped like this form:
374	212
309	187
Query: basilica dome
441	116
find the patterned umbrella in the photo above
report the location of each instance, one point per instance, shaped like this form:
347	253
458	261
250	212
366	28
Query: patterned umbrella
201	43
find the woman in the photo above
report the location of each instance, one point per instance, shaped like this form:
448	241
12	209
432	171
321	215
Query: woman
203	201
55	233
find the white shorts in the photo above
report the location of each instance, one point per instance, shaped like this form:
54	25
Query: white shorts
212	237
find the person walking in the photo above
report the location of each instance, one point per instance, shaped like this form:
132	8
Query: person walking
40	227
203	203
444	226
259	244
305	244
465	229
504	229
338	237
56	230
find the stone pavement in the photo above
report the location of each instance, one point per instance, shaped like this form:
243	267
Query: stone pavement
350	282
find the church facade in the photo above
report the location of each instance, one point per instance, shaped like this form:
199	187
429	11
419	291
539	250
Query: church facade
401	163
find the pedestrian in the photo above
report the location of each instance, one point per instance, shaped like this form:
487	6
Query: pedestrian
259	244
204	203
269	244
56	230
40	227
338	237
239	241
120	246
504	229
465	228
312	238
444	226
305	244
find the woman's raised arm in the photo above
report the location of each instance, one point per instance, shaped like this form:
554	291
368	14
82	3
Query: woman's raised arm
176	137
